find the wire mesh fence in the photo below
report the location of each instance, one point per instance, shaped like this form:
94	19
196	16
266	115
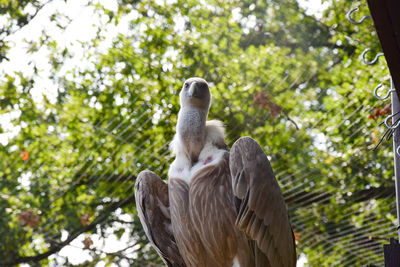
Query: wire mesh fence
290	80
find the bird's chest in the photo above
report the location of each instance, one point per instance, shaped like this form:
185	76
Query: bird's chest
204	214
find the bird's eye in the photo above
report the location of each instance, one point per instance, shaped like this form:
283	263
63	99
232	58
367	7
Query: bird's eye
186	85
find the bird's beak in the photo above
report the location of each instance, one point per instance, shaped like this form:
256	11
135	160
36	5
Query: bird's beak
192	90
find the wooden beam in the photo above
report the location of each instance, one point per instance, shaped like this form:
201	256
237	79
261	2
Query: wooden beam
386	16
392	253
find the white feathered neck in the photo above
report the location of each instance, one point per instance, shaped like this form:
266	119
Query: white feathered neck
215	135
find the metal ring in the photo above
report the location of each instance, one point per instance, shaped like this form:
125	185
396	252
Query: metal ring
398	153
387	94
349	18
365	61
391	126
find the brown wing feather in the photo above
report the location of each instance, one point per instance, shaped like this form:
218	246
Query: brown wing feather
152	203
262	212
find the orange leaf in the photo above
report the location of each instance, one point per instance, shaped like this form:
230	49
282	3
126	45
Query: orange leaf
296	237
263	100
260	99
85	218
87	242
24	155
375	136
28	218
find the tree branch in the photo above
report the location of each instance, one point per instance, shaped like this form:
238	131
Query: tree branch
99	219
305	198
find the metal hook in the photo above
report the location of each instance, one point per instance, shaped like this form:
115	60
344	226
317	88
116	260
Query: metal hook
387	94
365	61
349	18
391	126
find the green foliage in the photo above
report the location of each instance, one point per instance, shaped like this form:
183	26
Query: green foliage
293	82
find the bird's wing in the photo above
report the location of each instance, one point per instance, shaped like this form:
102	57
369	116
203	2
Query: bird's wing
152	204
261	209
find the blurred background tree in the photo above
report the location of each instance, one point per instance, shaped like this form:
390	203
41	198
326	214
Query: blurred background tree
76	130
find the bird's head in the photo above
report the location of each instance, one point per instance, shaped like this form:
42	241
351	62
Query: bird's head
195	93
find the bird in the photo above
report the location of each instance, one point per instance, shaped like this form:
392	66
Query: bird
221	206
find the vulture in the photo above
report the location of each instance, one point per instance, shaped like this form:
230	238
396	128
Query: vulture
220	207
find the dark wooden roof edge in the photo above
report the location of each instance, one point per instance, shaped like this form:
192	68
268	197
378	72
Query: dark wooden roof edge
386	17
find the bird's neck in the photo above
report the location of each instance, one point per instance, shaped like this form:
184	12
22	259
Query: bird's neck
191	128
